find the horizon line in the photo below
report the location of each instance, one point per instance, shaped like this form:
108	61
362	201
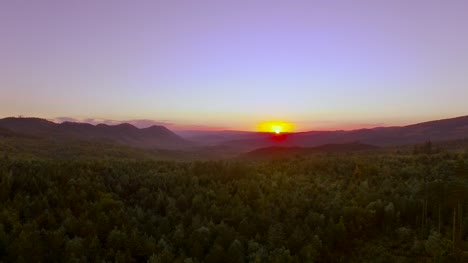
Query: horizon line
198	128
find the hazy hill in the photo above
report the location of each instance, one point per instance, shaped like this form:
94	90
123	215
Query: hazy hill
153	137
216	137
229	143
285	152
440	130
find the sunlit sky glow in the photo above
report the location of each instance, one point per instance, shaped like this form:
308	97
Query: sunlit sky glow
275	127
233	64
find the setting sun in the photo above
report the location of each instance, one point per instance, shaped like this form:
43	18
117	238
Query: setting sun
277	127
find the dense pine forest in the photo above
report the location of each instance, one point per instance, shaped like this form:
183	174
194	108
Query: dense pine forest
409	206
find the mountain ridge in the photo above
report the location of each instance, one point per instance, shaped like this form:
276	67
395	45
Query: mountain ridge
160	137
152	137
436	130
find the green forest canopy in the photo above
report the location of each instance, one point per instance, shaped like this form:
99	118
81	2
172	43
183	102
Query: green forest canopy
329	208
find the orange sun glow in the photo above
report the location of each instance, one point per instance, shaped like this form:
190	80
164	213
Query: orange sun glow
276	127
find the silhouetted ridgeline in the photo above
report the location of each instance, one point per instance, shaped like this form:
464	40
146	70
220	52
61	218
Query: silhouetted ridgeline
126	134
230	143
441	130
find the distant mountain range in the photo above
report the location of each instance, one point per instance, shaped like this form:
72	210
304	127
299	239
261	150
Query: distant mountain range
154	137
232	142
439	130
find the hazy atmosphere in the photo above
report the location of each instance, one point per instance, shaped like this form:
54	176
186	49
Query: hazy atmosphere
232	64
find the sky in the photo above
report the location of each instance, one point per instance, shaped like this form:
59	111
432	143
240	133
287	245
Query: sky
200	64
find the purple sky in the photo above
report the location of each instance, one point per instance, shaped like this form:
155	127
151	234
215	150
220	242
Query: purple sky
233	64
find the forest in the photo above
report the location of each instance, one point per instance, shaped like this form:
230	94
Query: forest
392	206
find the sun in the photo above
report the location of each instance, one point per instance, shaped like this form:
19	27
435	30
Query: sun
276	127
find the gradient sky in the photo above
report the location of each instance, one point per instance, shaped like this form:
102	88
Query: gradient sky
232	64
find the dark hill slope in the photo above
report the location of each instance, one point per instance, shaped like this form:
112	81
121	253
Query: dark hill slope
286	152
127	134
440	130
